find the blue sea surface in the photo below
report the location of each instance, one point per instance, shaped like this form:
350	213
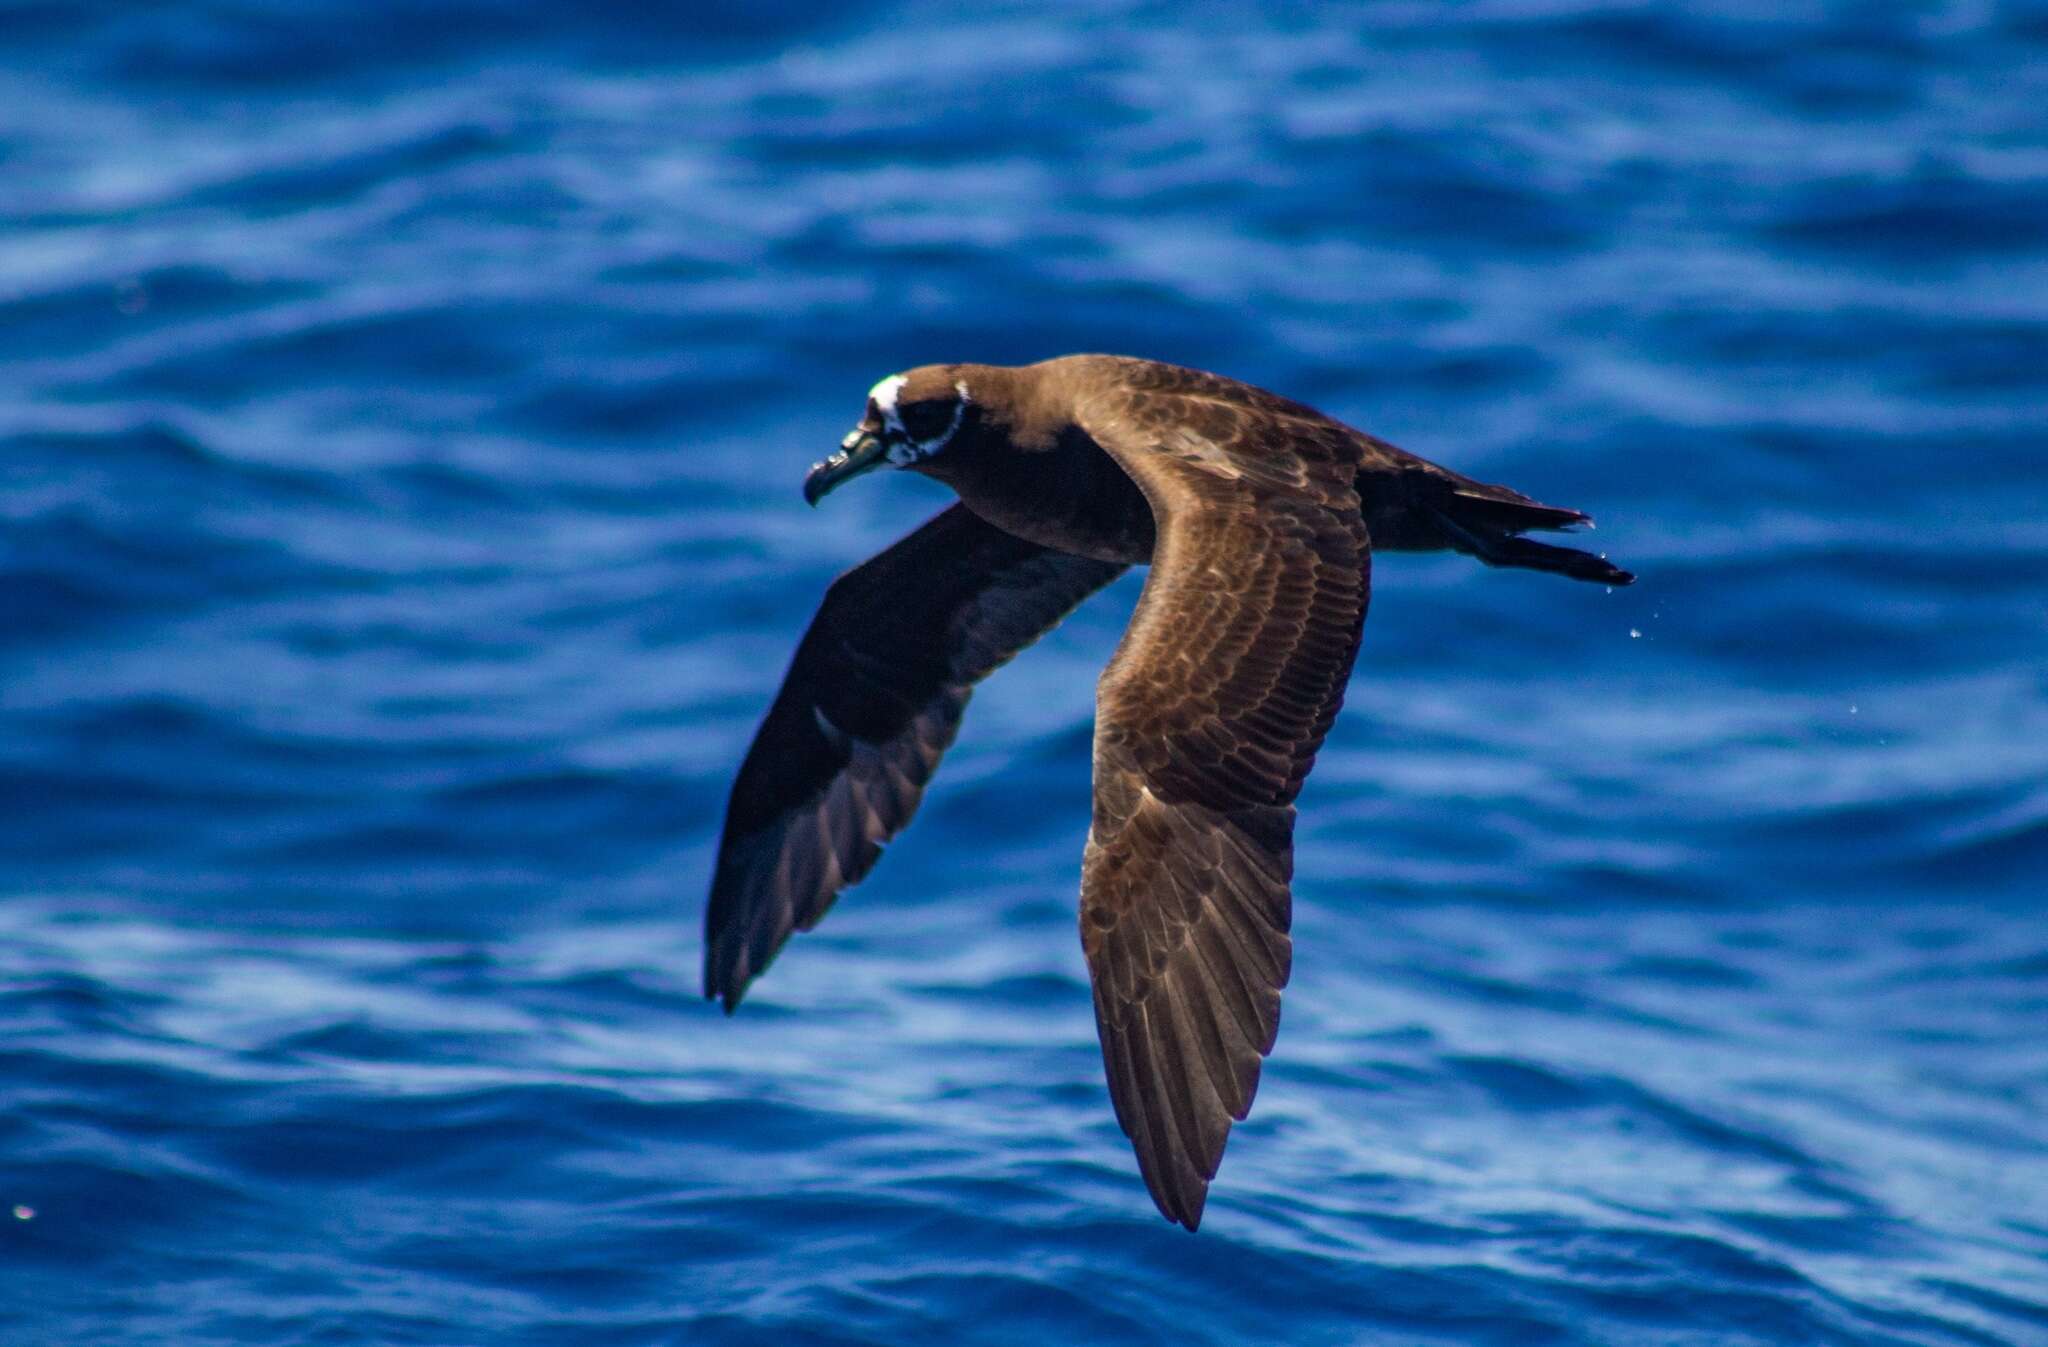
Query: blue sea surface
402	413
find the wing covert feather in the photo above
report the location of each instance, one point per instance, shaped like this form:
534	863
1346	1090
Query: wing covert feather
1208	720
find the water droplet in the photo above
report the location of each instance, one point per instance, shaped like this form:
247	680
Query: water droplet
24	1212
1634	634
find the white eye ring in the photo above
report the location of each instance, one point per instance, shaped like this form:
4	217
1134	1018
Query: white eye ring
903	450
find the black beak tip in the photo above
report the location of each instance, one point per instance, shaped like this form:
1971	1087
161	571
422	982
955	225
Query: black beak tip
862	451
821	478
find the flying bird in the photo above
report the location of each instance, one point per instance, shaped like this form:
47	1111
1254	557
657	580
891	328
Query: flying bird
1258	516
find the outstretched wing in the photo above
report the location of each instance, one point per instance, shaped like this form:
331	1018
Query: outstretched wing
871	701
1207	722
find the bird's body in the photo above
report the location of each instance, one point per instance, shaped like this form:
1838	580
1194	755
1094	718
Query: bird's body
1258	516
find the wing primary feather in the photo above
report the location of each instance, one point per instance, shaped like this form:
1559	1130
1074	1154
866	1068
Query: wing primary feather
1208	720
872	700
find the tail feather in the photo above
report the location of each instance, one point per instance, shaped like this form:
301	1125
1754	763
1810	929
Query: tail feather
1414	505
1510	511
1486	527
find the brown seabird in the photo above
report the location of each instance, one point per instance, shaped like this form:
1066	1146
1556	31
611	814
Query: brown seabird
1258	516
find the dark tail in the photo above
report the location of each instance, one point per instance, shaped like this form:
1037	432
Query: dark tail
1486	521
1414	505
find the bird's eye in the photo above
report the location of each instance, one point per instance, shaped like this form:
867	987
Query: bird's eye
927	419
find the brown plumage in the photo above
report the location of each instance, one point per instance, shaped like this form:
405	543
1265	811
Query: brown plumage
1258	517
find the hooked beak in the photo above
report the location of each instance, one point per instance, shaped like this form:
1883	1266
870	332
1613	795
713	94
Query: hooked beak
861	451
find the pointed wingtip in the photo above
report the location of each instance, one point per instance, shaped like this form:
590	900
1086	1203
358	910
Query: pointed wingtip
1183	1209
723	988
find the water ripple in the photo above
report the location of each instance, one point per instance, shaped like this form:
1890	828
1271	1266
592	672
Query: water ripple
398	522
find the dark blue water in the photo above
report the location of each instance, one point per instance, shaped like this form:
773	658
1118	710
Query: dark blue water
402	410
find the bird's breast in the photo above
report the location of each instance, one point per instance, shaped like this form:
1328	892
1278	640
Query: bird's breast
1071	527
1072	497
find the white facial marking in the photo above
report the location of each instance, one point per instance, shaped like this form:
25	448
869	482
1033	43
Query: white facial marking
883	395
904	451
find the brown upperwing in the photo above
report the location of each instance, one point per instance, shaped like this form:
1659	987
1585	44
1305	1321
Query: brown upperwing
1207	722
872	700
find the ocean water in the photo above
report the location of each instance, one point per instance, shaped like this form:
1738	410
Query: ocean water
402	413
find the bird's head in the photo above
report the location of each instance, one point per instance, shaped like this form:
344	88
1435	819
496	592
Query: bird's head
911	419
